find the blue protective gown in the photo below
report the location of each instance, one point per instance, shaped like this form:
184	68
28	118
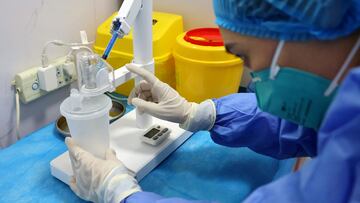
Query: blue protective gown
333	176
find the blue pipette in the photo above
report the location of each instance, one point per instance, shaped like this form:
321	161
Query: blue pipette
115	34
110	45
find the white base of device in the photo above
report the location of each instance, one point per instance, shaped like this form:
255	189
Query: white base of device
125	139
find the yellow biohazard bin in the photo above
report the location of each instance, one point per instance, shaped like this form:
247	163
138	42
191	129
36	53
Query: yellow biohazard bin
166	27
203	68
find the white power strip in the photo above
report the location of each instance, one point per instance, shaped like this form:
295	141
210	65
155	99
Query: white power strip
57	75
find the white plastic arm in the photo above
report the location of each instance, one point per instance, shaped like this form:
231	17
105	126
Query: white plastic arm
122	74
127	15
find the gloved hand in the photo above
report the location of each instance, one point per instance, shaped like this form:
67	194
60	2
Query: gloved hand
158	99
99	180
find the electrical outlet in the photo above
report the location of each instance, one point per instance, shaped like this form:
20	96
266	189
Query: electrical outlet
29	84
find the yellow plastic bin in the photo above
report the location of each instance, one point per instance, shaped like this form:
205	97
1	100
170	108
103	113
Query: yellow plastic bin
203	68
166	27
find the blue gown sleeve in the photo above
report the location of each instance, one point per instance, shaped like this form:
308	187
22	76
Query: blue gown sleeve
240	123
149	197
334	175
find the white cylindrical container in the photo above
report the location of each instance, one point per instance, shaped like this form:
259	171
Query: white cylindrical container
88	121
143	120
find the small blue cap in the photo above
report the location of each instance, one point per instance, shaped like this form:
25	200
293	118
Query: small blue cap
290	20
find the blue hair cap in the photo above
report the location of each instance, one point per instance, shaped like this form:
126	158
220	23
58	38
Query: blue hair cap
290	20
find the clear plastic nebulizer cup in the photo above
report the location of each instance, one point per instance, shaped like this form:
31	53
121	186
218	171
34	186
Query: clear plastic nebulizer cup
88	121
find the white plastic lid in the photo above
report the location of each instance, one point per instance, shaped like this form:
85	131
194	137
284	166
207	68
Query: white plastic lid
78	107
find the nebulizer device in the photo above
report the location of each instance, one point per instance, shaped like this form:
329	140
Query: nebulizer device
87	108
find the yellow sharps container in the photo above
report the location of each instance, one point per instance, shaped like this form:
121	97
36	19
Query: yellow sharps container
203	68
166	27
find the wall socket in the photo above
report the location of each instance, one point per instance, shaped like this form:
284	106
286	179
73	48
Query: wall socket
29	84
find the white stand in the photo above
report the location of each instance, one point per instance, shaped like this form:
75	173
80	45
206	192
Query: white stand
139	157
125	139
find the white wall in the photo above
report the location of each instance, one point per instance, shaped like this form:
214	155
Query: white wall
196	13
25	26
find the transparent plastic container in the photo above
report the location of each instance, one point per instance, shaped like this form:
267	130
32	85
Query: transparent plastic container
93	75
88	121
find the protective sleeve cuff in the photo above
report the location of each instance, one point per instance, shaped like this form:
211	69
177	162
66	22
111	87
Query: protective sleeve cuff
119	185
202	117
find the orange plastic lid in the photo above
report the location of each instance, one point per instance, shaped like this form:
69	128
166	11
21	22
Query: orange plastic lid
204	37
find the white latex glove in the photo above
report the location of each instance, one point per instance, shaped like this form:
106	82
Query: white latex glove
158	99
99	180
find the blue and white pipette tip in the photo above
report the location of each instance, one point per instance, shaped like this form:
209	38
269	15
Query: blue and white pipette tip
115	34
110	45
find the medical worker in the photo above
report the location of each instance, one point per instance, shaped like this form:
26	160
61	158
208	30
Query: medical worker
305	62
